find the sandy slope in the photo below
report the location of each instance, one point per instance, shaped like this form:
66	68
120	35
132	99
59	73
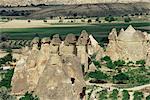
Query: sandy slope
23	24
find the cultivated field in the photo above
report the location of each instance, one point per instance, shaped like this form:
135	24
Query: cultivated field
21	29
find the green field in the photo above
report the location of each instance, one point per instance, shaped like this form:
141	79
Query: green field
99	31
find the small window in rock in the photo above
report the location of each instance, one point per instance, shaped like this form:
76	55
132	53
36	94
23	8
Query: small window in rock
72	80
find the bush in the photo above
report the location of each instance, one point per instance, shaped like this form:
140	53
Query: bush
125	95
29	96
138	95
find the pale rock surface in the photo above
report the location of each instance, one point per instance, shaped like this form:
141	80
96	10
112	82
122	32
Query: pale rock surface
128	45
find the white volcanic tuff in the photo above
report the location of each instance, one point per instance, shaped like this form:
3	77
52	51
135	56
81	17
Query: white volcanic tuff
130	45
28	2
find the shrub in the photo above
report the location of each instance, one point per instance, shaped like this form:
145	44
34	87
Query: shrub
125	95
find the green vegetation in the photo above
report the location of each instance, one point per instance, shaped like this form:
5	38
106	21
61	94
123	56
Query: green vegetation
6	81
125	95
103	95
100	30
148	97
5	59
5	94
114	95
110	18
127	19
121	77
29	96
98	75
138	95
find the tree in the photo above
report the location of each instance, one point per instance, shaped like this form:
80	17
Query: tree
141	63
6	82
114	94
138	95
110	18
125	95
121	77
106	58
148	97
127	19
89	21
119	63
5	94
29	96
98	75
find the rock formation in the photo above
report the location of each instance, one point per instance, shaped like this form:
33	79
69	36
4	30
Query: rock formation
53	69
130	44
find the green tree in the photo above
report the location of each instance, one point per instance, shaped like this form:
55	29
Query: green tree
114	94
125	95
138	95
148	97
119	63
106	58
141	63
29	96
98	75
121	77
110	18
6	82
127	19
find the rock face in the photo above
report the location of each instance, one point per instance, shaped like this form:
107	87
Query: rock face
128	45
53	69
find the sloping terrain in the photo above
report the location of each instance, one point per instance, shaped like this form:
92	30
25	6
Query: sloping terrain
48	2
92	10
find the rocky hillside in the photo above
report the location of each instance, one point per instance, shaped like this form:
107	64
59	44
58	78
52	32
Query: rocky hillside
115	9
28	2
